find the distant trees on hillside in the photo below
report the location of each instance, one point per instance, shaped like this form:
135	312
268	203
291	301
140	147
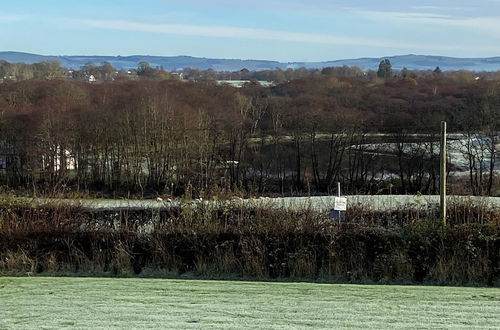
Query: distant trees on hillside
42	71
90	72
144	70
105	72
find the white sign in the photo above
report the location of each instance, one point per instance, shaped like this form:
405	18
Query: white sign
340	204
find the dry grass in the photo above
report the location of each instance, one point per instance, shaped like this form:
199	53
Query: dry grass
218	240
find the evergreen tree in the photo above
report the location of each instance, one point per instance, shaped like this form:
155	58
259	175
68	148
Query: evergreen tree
404	73
385	69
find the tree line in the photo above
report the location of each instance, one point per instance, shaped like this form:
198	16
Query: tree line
105	72
144	137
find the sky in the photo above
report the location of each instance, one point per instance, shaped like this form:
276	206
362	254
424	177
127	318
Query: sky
283	30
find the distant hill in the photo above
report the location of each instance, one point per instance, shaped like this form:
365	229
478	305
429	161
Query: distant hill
171	63
417	62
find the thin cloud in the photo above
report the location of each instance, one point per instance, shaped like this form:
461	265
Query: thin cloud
11	18
328	6
439	8
487	25
252	33
399	16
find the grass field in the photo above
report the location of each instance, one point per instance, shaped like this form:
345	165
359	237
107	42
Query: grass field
54	303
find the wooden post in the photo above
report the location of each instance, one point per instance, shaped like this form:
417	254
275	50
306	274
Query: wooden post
442	175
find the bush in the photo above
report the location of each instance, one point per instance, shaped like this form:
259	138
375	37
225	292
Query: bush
223	241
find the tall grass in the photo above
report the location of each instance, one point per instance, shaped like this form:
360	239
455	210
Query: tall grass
460	211
221	240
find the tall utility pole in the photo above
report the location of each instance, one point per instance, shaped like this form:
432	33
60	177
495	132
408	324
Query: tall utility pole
442	175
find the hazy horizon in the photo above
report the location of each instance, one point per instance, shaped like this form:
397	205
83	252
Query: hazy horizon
276	30
234	58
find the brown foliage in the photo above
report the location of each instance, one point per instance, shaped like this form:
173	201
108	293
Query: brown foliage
149	137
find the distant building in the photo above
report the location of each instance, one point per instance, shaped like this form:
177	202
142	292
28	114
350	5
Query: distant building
8	78
179	75
92	79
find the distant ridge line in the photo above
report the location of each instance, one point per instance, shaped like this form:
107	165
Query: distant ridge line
173	63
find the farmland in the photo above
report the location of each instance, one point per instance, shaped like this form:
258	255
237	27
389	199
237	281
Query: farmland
80	303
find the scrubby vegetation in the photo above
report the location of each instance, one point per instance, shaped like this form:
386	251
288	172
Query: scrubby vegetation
143	138
239	242
170	138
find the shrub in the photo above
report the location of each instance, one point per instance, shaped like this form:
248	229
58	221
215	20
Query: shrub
228	241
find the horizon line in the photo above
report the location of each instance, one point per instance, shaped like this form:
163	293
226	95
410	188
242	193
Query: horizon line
248	59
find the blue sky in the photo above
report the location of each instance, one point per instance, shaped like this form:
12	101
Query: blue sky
284	30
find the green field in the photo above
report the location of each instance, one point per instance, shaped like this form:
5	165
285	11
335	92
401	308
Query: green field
54	303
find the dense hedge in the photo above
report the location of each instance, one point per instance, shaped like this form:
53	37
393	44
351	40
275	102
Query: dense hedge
260	244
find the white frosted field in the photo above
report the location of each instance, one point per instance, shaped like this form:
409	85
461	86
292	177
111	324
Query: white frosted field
317	203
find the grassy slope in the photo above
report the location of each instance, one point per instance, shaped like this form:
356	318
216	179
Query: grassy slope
183	304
